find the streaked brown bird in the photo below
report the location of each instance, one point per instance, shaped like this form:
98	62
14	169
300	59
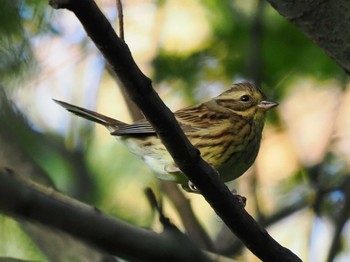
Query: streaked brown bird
226	129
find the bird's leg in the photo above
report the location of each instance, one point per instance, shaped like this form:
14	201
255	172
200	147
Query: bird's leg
193	188
241	199
190	187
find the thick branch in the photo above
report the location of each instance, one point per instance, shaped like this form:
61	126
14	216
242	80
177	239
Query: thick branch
228	245
23	198
185	155
326	22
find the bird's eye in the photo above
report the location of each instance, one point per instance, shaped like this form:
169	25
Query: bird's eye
245	98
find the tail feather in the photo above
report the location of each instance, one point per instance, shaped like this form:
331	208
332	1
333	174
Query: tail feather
91	115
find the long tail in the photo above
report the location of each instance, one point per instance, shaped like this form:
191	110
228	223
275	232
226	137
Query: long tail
108	122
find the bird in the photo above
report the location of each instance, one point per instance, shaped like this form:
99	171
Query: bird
226	130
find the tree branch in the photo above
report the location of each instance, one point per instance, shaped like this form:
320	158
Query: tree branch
23	198
13	153
163	121
230	246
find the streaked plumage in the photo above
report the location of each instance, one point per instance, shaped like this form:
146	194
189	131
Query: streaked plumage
226	129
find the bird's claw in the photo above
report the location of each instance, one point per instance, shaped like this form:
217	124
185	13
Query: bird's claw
192	187
242	200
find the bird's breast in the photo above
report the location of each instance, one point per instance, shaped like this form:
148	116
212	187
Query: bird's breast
240	153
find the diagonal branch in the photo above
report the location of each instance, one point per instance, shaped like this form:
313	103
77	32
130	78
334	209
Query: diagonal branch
187	157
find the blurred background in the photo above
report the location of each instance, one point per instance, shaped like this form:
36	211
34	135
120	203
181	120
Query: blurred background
299	187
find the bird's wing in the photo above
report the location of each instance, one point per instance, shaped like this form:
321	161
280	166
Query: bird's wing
203	116
141	127
190	118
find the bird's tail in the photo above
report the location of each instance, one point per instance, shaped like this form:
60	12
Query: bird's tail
91	115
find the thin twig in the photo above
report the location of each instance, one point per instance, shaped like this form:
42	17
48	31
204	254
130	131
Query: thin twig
120	19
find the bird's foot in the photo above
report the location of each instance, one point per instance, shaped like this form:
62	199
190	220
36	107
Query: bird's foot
192	187
242	200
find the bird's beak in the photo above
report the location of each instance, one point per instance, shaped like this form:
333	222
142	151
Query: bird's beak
267	105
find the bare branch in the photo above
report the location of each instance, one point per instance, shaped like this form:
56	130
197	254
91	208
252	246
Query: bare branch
23	198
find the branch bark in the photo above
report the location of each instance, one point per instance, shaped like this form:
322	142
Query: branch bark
187	157
326	22
25	199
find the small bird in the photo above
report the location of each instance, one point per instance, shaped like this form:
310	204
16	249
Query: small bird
226	129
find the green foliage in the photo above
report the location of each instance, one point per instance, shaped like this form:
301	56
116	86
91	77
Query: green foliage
15	243
20	21
220	60
286	52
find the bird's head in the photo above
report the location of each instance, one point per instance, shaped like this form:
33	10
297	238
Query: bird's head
245	99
